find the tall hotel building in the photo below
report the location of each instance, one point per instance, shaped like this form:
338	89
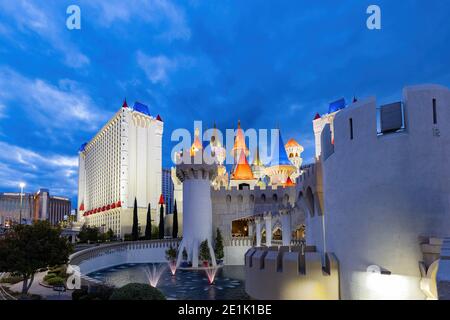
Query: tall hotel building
120	164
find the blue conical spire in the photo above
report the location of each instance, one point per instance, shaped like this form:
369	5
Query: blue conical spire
279	155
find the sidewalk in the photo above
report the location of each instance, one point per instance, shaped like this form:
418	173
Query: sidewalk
44	292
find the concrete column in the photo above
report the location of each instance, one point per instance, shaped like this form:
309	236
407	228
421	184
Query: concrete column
286	227
258	231
268	220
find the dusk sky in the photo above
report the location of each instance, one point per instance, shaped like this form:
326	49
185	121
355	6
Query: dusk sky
266	63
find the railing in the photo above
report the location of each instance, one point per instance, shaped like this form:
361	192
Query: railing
240	241
248	241
78	257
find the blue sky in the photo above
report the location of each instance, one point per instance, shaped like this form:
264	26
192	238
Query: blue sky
263	62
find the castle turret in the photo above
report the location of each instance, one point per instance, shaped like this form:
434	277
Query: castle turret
294	151
279	168
197	208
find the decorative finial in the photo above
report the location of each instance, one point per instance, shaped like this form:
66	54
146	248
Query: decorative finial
239	124
124	104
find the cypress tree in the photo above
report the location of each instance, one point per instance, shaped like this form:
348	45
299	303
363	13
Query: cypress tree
135	230
161	222
175	221
148	226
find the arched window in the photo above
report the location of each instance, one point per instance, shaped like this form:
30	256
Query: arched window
275	198
263	197
228	199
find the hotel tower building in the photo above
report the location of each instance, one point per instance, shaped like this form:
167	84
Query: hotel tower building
120	164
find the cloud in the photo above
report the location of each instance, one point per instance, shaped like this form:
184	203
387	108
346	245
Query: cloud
60	106
2	111
159	13
36	19
156	68
37	170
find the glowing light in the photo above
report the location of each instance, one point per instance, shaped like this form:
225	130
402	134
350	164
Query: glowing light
384	287
22	185
172	267
211	274
154	273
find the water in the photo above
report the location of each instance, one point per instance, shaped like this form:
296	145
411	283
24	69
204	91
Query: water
184	285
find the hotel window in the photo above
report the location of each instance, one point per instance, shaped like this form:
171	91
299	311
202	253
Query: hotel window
434	112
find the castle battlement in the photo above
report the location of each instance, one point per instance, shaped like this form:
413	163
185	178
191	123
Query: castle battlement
291	273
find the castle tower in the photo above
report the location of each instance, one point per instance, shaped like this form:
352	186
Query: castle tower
242	172
279	168
294	151
239	143
219	153
197	209
257	165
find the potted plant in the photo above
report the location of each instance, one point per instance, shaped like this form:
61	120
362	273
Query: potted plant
204	253
185	263
218	246
171	254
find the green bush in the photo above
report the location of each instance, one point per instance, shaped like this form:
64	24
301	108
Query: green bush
56	281
127	237
137	291
11	279
97	293
49	276
78	294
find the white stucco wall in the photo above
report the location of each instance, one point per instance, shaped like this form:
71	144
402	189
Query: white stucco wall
383	192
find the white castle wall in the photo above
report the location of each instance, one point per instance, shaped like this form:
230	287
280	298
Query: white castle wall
233	204
383	192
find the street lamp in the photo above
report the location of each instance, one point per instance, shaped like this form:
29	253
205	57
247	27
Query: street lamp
21	185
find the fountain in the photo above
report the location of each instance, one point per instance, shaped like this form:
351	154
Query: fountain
154	273
172	266
211	274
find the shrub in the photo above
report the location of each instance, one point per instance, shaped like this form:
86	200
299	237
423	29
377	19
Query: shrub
78	294
137	291
101	292
56	281
204	251
49	276
11	279
127	237
171	253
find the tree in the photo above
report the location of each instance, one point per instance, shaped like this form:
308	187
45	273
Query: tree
218	245
29	248
148	226
88	233
204	251
175	221
161	222
171	253
135	230
110	234
137	291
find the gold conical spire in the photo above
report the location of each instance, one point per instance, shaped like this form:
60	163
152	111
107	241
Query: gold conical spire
196	145
256	160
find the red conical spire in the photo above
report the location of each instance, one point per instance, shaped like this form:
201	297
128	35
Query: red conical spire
158	117
317	116
161	199
125	105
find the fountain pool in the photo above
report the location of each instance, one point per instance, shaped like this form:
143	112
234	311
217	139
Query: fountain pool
183	285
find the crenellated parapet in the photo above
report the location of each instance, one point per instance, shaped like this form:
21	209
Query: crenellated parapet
196	171
291	273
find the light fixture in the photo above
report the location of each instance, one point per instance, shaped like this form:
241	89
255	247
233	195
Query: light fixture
377	269
22	185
